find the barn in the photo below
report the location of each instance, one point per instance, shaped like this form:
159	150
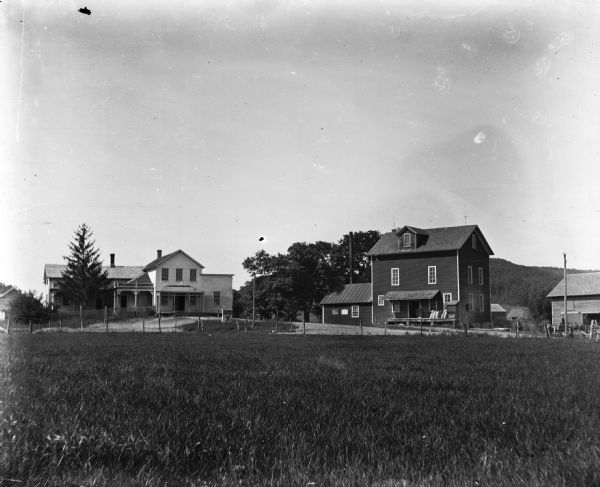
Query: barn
350	306
583	298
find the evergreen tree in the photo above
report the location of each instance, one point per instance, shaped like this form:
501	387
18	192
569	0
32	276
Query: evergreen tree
83	278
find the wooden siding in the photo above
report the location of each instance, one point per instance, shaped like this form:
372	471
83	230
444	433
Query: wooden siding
467	256
364	314
413	276
577	306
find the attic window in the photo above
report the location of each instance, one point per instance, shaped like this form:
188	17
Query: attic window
407	240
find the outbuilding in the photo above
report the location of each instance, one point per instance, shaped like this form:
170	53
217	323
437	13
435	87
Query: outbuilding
349	306
583	298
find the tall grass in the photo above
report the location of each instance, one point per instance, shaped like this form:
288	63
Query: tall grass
289	410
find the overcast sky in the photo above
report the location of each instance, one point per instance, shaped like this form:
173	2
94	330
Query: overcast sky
206	125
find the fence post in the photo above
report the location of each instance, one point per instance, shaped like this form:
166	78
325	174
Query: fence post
421	324
198	325
361	330
30	328
237	324
159	330
304	326
277	321
385	328
291	325
143	325
60	324
245	326
8	325
466	325
175	321
202	326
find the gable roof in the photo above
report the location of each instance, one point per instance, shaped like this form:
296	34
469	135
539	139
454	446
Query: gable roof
156	262
55	271
141	280
9	290
352	293
437	239
585	284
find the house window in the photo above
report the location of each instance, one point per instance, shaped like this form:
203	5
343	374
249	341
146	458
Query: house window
473	241
431	274
345	311
470	275
164	299
165	274
217	298
193	300
179	274
469	306
481	275
193	275
354	311
380	300
407	240
395	276
335	311
447	297
482	302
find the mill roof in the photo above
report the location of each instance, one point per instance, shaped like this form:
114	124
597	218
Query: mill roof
435	240
585	284
352	293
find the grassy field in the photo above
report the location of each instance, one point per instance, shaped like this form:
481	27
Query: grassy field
260	409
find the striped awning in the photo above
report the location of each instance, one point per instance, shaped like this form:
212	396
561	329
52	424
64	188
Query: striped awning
410	295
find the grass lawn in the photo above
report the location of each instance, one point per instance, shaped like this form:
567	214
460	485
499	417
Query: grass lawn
256	409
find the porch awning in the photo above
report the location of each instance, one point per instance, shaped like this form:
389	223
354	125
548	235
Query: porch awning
410	295
180	289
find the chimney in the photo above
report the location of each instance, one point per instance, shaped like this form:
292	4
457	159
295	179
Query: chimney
112	260
158	254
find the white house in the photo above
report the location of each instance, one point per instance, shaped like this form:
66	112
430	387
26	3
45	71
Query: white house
171	283
5	298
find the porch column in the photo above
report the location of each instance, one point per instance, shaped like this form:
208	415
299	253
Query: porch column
158	302
115	295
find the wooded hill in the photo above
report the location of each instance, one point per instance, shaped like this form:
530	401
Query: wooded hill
520	285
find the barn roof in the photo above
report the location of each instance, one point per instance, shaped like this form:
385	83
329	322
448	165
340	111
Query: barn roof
352	293
436	239
55	271
156	262
586	284
497	308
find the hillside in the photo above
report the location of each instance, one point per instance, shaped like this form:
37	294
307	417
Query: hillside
521	285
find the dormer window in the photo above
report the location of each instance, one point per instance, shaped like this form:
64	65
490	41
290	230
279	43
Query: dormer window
407	241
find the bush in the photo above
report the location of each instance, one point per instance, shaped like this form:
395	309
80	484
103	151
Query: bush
27	306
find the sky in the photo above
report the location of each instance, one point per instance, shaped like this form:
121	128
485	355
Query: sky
205	125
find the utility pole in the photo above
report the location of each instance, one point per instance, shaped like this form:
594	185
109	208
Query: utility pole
565	297
253	299
350	251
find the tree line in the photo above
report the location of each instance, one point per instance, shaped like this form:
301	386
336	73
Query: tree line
285	284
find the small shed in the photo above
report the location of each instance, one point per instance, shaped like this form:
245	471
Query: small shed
498	312
583	298
349	306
